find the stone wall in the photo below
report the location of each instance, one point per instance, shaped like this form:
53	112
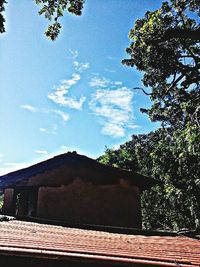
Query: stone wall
79	202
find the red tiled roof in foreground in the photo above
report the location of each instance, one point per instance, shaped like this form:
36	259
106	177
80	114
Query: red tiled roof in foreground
19	238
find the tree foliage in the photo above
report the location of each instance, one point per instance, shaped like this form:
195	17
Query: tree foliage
1	201
175	203
2	19
52	11
166	48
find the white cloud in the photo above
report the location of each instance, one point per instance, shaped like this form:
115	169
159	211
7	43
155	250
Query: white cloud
55	129
29	107
116	146
63	147
100	82
42	129
12	166
110	70
66	84
63	115
59	96
41	152
118	83
80	67
74	53
95	74
114	108
114	130
133	126
1	157
111	58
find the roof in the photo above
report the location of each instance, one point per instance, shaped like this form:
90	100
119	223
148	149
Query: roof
63	168
34	240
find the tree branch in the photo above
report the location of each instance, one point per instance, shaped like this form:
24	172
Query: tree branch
190	81
178	33
138	88
174	82
196	58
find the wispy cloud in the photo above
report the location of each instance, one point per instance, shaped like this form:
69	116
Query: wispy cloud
1	157
63	147
41	152
52	130
55	129
74	53
29	107
114	130
80	67
59	96
102	82
12	166
116	146
110	70
42	129
117	83
111	58
113	105
62	114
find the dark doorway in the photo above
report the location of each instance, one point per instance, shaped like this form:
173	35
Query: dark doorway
26	202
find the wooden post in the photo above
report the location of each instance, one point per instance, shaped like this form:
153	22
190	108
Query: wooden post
22	203
32	202
9	203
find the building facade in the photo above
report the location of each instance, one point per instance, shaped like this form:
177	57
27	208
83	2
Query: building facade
75	189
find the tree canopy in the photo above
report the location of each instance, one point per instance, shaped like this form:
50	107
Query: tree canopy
52	11
174	203
166	48
2	19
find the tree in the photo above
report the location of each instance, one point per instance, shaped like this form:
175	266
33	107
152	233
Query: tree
52	10
166	47
2	20
175	202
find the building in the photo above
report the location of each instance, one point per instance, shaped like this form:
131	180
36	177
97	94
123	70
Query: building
38	245
75	189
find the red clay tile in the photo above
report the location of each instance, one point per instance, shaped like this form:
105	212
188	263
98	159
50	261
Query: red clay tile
34	239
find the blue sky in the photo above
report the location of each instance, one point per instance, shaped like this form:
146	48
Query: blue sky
71	94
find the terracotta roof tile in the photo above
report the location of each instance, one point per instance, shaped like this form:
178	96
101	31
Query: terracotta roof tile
34	239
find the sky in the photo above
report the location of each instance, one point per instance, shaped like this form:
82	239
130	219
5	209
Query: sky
72	94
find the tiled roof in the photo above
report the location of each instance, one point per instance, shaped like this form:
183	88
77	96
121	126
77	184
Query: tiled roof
30	239
72	165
